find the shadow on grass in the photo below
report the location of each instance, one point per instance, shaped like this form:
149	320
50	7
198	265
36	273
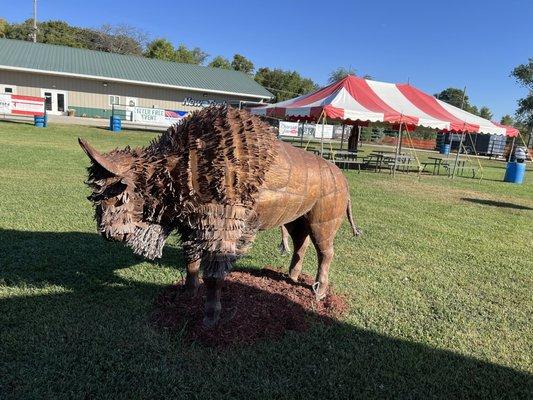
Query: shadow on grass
495	203
84	334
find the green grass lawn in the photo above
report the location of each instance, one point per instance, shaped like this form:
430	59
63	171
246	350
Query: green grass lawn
439	288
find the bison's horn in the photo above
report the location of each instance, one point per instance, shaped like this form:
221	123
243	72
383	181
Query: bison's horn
98	158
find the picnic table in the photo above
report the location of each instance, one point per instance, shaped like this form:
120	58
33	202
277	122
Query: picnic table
346	159
329	155
343	158
436	163
381	159
447	164
403	162
375	160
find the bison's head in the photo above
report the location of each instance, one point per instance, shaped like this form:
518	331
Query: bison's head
119	201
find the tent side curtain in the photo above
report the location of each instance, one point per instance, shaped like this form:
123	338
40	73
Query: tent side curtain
355	99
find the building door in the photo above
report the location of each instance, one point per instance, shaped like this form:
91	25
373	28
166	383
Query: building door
55	101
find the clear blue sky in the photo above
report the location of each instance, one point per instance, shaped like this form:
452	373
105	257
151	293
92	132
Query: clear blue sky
436	44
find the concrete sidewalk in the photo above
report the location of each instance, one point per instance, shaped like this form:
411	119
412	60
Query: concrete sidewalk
84	121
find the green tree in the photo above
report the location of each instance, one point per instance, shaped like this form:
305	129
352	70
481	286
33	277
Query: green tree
19	31
241	63
284	84
186	56
161	49
454	96
340	73
60	33
484	112
507	120
220	62
121	39
3	28
524	76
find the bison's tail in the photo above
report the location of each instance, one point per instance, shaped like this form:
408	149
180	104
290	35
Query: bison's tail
356	231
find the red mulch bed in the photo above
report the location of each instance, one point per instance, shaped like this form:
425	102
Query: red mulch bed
256	305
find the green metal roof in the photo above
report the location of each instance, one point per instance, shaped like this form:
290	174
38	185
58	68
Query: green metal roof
18	54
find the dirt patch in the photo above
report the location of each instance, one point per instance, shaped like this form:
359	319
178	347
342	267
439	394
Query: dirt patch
256	305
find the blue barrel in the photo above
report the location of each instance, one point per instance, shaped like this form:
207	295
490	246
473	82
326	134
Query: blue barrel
39	121
515	172
115	123
445	148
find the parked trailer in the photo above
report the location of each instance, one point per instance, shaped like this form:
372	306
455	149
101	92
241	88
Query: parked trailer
485	145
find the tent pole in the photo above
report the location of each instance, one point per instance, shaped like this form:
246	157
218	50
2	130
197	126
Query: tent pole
397	152
462	136
322	138
359	140
457	155
342	136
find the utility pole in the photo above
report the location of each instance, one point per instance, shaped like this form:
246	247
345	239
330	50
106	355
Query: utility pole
34	33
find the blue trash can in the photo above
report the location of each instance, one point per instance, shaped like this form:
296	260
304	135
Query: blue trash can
115	123
515	172
445	149
39	121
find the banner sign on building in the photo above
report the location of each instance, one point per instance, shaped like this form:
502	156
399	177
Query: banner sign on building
288	128
5	104
189	101
156	116
21	105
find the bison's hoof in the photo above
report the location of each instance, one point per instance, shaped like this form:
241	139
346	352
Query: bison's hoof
320	296
320	291
191	291
210	322
212	315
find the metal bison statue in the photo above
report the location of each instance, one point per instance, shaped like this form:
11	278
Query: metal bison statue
217	179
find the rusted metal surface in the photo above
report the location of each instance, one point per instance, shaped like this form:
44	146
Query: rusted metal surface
217	179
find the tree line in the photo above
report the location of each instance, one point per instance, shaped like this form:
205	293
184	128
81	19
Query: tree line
284	84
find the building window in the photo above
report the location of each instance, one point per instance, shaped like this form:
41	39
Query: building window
114	100
7	89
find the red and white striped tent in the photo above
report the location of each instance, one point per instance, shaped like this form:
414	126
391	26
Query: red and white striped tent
356	99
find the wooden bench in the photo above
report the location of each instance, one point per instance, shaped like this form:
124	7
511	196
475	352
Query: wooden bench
345	164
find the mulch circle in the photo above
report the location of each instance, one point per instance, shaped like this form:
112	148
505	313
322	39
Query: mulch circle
256	305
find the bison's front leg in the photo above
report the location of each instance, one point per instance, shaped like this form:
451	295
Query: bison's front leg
213	288
192	280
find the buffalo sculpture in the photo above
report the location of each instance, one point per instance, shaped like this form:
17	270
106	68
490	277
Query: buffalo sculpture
217	179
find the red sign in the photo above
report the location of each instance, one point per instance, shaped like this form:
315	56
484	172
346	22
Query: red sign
21	105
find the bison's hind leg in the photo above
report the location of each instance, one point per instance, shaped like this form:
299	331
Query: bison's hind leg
322	235
299	232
